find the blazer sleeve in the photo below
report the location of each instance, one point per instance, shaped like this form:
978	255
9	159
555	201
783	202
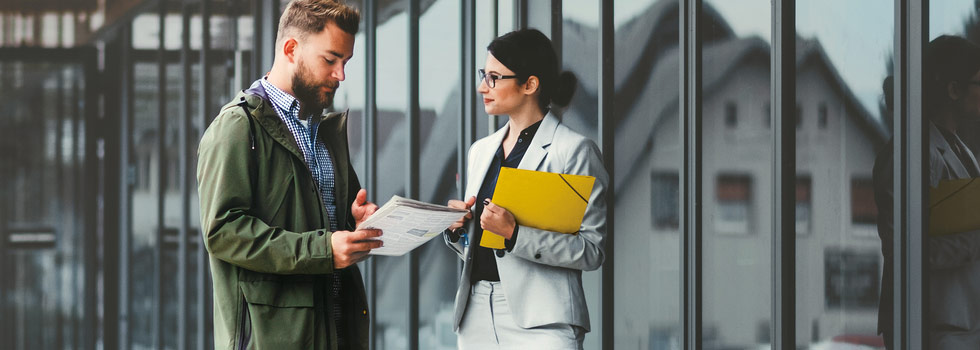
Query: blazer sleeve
946	251
582	251
231	232
447	237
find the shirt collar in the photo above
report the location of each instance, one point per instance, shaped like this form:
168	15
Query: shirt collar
529	131
287	105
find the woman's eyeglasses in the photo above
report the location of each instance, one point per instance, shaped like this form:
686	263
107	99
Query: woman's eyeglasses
491	79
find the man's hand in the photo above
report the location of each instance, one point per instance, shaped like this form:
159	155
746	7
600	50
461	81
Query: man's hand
498	220
350	248
361	208
461	205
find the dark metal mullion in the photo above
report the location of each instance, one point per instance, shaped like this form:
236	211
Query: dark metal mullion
468	90
910	154
182	139
412	178
204	319
78	176
783	113
467	97
5	329
368	139
556	28
125	190
267	18
90	194
156	319
607	140
494	120
256	62
520	14
60	242
690	203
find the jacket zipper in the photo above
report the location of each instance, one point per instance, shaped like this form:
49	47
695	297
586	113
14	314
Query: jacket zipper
245	327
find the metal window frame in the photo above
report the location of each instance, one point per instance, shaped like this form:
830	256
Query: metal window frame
783	97
369	146
412	176
125	246
607	138
690	202
204	287
182	137
156	320
911	157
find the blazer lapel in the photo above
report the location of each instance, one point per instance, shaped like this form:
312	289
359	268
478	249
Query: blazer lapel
538	149
481	160
953	163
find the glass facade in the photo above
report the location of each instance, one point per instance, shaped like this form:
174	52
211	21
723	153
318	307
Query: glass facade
744	215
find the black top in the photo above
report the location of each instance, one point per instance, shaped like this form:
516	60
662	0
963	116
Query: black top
484	264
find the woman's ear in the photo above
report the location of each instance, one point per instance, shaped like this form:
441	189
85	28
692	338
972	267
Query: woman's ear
531	85
953	90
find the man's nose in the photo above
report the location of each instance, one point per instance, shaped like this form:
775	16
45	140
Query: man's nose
339	74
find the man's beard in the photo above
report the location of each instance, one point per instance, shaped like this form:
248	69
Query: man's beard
308	93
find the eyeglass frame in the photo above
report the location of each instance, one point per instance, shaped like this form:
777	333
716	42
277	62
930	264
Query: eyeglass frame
493	77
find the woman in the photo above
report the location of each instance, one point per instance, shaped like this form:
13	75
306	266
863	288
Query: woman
530	294
952	102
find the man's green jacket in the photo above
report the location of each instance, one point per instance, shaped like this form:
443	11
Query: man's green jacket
267	232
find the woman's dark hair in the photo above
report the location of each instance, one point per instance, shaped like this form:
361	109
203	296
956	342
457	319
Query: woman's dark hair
946	59
529	52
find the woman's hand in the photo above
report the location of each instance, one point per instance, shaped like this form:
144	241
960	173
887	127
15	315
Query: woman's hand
462	205
498	220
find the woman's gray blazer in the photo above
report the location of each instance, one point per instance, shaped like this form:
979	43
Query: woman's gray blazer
542	275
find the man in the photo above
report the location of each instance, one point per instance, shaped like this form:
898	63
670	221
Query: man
278	203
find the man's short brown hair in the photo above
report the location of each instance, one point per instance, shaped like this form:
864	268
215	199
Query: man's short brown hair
304	17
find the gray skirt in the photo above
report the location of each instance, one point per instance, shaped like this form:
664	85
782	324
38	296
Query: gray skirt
488	324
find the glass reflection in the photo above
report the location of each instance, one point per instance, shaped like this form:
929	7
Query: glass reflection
144	204
391	273
737	174
41	214
580	44
839	128
647	168
951	63
439	99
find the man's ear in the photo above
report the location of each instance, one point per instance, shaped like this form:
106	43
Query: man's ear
953	89
289	49
531	85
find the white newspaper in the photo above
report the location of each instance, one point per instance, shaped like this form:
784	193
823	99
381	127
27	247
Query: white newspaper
406	224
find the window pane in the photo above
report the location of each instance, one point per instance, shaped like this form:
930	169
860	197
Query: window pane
839	77
40	218
391	310
439	99
737	174
954	136
647	163
579	55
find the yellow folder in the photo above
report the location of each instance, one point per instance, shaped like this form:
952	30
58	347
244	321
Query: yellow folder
953	206
547	201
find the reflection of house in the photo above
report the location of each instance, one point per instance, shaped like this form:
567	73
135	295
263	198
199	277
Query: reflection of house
837	251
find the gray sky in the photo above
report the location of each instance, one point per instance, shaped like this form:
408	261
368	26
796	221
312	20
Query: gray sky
856	34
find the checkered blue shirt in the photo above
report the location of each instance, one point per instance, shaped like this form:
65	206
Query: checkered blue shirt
316	154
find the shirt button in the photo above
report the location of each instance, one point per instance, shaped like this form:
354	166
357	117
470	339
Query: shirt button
537	256
520	140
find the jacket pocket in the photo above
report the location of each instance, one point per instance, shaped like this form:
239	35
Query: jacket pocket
281	313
